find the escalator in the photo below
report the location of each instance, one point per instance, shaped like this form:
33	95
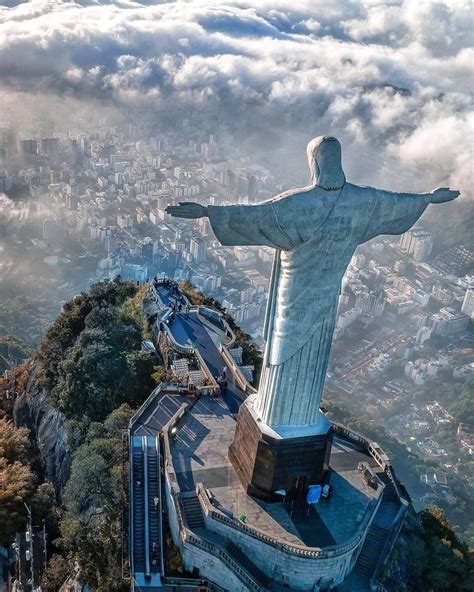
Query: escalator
138	506
154	503
146	531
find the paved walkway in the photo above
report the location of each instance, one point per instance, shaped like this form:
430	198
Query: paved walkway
188	328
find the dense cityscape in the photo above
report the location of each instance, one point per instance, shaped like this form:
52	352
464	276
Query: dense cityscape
403	349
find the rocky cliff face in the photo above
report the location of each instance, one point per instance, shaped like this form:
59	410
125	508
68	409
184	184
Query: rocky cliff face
33	410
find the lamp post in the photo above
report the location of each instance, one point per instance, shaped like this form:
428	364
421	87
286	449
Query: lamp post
29	540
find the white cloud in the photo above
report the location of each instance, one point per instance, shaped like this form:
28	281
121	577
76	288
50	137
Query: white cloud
382	75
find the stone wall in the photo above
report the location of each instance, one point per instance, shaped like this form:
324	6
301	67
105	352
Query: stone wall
300	573
300	570
211	568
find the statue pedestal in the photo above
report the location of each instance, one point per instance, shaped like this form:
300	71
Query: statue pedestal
267	462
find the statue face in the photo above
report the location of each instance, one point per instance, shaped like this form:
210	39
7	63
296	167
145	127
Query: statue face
324	159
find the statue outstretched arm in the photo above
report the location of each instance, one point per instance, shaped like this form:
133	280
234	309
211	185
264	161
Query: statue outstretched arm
440	195
239	225
187	209
395	213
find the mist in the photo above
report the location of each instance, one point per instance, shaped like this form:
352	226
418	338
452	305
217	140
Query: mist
394	83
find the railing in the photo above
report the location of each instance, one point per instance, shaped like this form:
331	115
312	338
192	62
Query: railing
384	462
217	551
213	513
130	506
291	549
166	429
242	382
184	533
388	472
150	399
160	509
212	387
179	347
184	583
369	445
205	311
187	536
163	280
388	547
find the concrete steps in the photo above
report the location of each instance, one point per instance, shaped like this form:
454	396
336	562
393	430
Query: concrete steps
390	493
371	550
193	512
240	557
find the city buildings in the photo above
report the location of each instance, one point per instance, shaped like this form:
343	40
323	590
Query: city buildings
418	243
468	303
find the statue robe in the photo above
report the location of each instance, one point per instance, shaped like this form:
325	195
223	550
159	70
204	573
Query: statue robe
315	233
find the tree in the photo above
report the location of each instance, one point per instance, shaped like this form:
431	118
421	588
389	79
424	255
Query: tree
91	527
71	322
14	442
104	368
43	501
436	559
56	573
16	485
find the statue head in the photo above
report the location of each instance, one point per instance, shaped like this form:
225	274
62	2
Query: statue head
324	159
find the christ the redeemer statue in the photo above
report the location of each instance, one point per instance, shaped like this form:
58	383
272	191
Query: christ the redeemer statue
315	232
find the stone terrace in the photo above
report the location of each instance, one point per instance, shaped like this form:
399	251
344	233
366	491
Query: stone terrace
199	452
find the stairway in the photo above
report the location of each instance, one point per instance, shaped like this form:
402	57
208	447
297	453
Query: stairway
153	492
390	493
138	507
240	557
371	550
193	512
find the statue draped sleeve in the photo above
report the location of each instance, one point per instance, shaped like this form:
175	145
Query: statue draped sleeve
392	213
248	225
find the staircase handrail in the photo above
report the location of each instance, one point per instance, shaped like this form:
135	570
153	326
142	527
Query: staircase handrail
213	386
217	551
388	546
243	383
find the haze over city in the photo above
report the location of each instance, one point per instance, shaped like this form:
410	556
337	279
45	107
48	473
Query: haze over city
111	112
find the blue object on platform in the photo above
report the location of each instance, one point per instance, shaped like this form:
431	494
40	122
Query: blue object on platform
313	495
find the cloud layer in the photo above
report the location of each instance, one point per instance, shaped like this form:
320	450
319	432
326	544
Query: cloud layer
393	79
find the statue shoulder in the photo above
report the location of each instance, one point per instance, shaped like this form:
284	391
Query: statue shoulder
359	193
351	188
291	195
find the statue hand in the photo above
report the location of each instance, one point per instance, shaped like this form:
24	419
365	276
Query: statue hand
442	194
187	209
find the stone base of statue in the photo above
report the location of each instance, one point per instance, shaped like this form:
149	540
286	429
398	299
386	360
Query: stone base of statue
268	462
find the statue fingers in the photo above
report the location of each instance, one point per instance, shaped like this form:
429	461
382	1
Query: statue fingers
442	194
176	211
446	194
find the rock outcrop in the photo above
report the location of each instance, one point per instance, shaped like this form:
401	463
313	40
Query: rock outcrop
33	409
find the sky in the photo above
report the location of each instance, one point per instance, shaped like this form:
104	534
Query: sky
392	80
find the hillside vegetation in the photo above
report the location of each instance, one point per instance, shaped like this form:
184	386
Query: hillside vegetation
90	367
91	355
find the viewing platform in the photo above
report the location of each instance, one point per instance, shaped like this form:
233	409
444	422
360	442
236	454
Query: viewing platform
292	545
232	540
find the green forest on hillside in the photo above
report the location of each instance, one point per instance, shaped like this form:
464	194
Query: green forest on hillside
96	373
